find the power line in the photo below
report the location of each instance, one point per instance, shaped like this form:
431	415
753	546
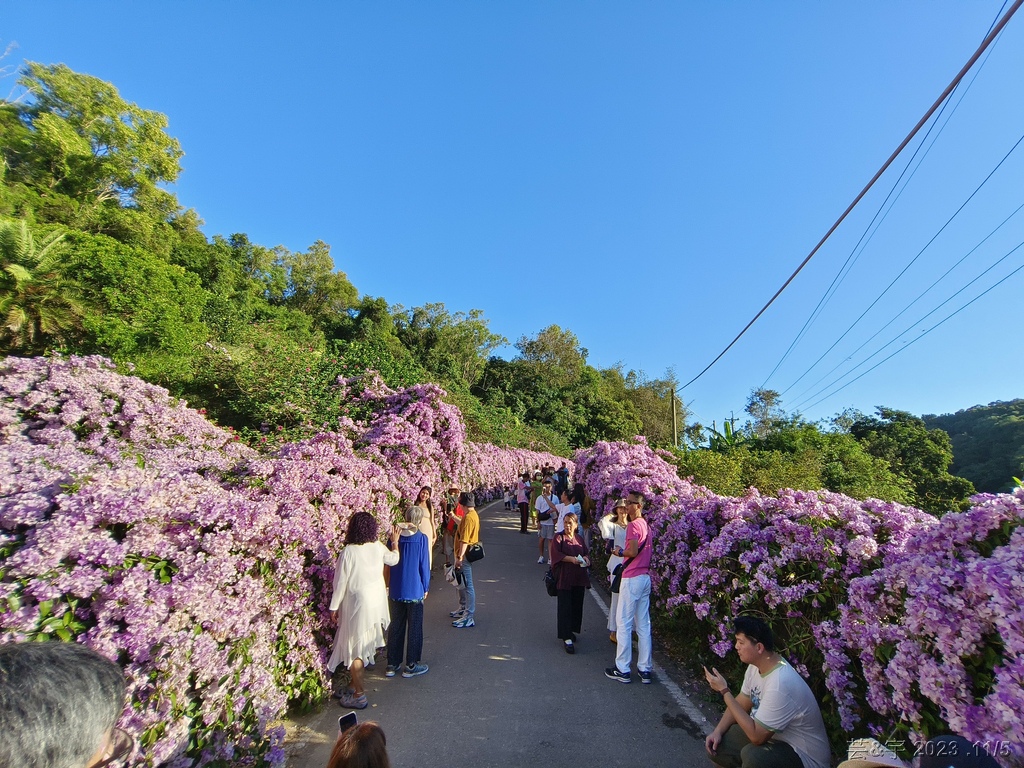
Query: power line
911	262
926	316
925	333
868	234
931	110
902	311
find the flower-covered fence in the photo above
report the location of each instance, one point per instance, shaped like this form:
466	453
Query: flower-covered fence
130	523
906	624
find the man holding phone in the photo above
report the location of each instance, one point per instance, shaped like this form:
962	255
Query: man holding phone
774	721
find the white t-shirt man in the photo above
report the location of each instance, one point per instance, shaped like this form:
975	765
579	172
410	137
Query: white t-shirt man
546	529
563	510
784	704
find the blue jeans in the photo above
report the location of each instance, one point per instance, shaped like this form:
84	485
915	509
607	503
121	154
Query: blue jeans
467	595
634	611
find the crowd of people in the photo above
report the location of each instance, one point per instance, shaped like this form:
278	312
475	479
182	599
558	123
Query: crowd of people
60	702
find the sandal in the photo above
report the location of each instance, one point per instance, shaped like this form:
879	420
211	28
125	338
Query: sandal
351	700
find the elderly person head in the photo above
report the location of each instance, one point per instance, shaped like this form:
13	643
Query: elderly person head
362	529
414	515
59	703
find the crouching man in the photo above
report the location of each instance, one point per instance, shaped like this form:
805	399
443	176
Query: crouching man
774	721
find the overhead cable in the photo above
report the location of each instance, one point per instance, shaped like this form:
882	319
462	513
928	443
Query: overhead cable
931	110
911	262
923	333
879	218
896	317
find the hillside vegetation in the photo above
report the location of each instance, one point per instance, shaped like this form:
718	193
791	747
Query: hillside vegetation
988	443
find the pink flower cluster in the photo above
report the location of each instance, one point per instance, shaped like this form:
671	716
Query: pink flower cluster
130	523
896	613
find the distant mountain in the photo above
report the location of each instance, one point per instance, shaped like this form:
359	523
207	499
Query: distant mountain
988	443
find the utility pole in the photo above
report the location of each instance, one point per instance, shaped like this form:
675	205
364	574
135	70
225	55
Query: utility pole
675	421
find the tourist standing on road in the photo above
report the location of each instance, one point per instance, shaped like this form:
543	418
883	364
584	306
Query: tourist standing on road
774	720
523	501
428	523
547	514
359	603
613	530
467	535
450	523
567	505
634	609
410	583
570	560
562	479
536	489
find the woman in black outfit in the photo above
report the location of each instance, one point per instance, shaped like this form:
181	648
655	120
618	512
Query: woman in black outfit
569	562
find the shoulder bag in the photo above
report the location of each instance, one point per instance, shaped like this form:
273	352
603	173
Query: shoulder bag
617	573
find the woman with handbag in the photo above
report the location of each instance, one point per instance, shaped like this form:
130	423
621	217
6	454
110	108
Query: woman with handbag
613	531
570	560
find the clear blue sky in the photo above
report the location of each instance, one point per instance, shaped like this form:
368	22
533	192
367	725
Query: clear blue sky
645	174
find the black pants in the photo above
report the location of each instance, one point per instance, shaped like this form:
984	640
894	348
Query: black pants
570	612
406	619
524	515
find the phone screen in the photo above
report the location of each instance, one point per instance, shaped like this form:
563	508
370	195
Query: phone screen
346	721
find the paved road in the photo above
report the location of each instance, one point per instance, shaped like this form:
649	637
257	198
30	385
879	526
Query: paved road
505	693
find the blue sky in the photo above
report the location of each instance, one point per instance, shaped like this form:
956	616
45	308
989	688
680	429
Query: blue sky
645	174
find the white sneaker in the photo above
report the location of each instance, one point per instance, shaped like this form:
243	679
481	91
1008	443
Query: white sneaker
540	559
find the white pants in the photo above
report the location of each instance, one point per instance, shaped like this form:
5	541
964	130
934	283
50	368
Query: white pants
634	611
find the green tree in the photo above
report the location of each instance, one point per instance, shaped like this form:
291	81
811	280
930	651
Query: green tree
554	356
765	410
87	142
314	287
919	454
453	347
652	401
144	310
988	443
39	306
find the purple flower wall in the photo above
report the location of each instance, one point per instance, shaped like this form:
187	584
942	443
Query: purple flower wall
130	523
912	624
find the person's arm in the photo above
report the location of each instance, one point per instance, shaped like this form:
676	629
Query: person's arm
339	586
425	567
738	707
462	537
632	548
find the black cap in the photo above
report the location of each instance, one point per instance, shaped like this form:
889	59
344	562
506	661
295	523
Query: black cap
467	500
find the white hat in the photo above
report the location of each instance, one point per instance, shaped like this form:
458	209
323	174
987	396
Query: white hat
868	753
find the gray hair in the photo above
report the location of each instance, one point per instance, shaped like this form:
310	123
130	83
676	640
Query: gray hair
58	702
414	515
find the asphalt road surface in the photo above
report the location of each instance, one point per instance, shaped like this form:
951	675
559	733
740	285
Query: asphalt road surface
504	693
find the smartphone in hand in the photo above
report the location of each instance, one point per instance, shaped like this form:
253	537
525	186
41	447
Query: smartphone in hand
347	721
